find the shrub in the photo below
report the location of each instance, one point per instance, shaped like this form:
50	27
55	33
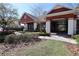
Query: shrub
2	37
33	36
25	38
14	28
11	39
44	34
6	32
3	34
16	39
76	37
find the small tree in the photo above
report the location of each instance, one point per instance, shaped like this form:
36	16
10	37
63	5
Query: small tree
7	13
40	13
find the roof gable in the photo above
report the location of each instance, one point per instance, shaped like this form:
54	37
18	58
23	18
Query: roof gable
26	18
58	8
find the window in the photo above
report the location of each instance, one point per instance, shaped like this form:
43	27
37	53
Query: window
30	27
62	25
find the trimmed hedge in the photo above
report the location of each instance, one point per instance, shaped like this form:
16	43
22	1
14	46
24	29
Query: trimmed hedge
3	34
14	28
38	33
17	39
2	37
7	32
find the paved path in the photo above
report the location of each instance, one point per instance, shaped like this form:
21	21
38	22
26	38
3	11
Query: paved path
60	38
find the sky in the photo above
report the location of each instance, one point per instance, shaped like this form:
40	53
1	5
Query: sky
27	7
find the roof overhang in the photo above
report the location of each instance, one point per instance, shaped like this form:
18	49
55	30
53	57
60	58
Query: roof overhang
64	14
61	13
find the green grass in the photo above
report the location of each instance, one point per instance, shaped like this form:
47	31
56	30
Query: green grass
30	32
44	48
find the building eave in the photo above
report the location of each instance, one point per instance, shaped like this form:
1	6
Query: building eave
71	15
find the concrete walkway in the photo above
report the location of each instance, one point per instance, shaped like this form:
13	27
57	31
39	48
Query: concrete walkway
59	38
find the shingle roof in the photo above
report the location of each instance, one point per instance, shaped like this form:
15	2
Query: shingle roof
33	17
36	19
59	8
29	18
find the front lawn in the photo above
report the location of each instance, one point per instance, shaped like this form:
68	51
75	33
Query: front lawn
43	48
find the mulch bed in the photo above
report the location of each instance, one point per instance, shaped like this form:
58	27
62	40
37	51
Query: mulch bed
73	48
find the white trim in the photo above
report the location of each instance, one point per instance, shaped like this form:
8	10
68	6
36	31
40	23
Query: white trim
61	13
48	26
58	19
26	26
35	26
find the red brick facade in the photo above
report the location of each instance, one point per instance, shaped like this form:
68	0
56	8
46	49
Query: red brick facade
25	19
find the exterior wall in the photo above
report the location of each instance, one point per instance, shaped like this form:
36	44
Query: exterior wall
25	19
62	13
48	26
71	26
35	26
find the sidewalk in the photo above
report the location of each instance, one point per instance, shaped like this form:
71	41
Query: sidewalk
59	38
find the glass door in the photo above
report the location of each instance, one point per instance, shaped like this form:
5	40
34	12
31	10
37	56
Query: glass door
62	26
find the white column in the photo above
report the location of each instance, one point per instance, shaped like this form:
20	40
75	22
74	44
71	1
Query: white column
75	26
48	26
71	26
25	26
35	26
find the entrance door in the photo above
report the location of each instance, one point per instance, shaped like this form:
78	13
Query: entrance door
59	26
62	26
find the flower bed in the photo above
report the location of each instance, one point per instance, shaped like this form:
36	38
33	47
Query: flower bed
73	48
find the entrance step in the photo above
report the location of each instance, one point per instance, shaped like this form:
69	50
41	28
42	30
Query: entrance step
53	34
